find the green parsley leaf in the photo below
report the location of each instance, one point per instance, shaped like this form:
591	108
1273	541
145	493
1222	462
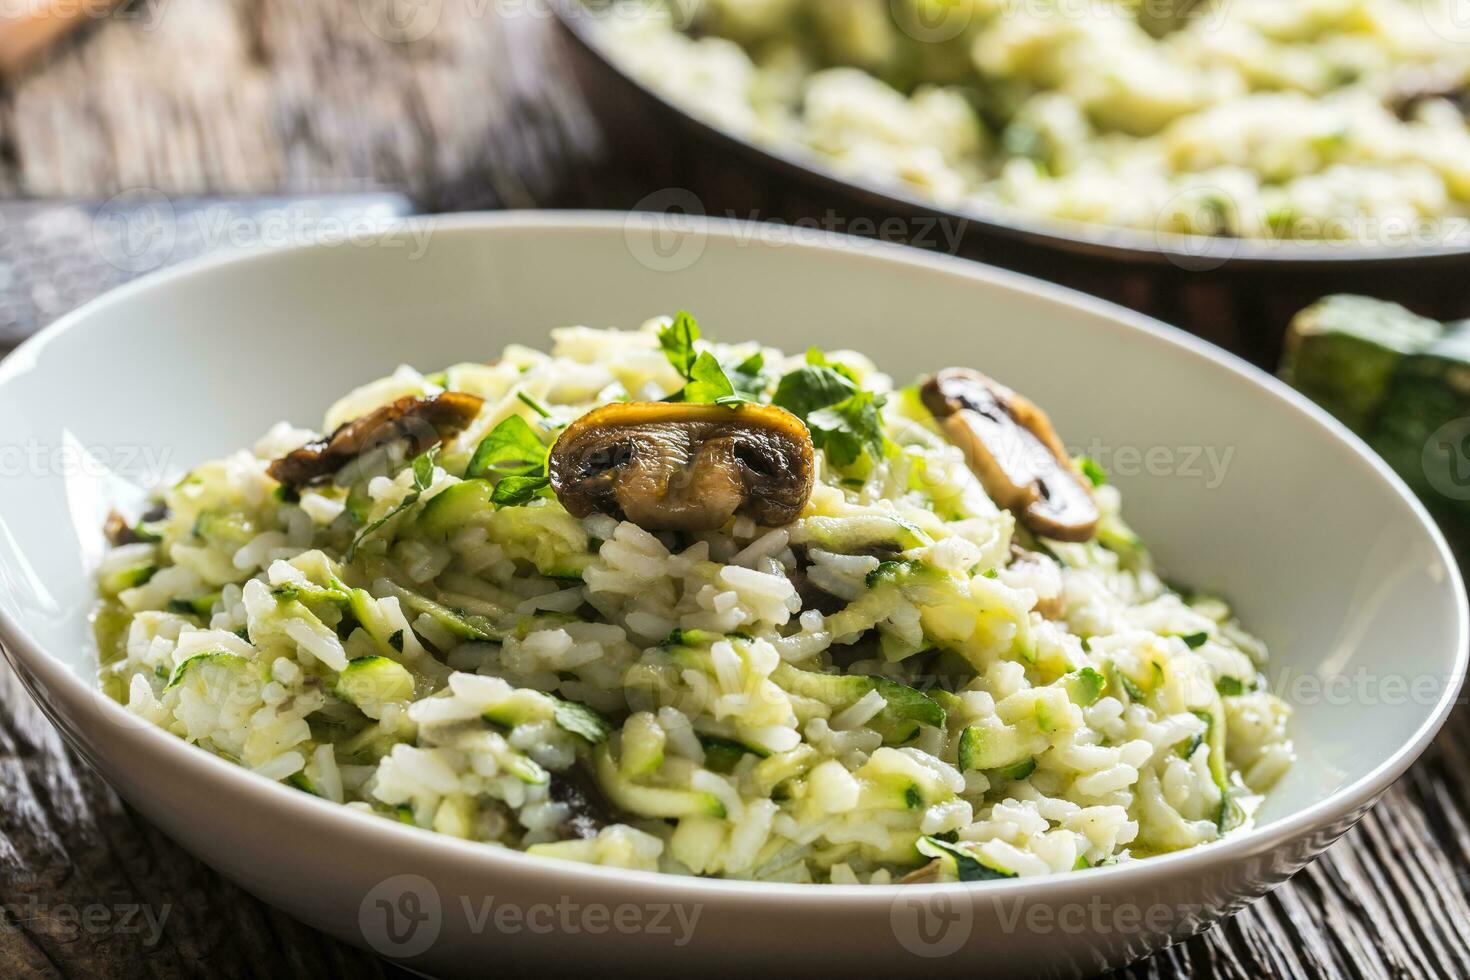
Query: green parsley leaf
517	491
677	341
511	449
423	476
1195	640
752	365
818	358
1090	468
810	388
848	429
707	381
748	376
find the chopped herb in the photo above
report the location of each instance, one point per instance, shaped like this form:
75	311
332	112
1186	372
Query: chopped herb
812	387
1090	468
423	475
1230	686
677	341
511	449
515	458
912	798
517	491
844	420
991	573
848	429
581	720
752	365
1195	640
535	404
705	381
396	640
708	383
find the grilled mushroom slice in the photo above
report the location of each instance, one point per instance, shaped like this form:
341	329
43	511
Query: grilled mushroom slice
1010	445
677	467
421	422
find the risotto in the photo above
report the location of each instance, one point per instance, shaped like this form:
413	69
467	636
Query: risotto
658	603
1313	119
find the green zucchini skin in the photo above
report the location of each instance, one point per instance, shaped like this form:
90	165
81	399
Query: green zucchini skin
1343	352
1396	379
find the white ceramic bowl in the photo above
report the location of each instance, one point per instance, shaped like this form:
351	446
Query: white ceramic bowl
1325	553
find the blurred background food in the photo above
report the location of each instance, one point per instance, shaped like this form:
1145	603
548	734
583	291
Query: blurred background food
1218	165
1246	118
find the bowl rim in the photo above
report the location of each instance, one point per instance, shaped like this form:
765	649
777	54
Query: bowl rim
37	667
1187	253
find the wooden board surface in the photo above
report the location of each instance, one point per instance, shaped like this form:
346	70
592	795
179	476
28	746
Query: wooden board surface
468	110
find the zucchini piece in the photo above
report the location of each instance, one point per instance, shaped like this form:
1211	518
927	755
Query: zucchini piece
226	530
723	754
455	507
1085	686
1429	389
1343	351
372	682
993	745
114	583
1019	771
523	706
887	571
569	567
961	862
211	671
466	626
201	606
642	746
300	781
907	708
580	720
651	801
861	535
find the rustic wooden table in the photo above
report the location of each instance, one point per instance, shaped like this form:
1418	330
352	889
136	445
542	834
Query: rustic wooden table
463	108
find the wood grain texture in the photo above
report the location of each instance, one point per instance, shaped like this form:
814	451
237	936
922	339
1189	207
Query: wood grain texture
261	95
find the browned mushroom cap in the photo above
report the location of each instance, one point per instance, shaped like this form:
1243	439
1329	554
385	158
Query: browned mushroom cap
676	467
1010	445
421	422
